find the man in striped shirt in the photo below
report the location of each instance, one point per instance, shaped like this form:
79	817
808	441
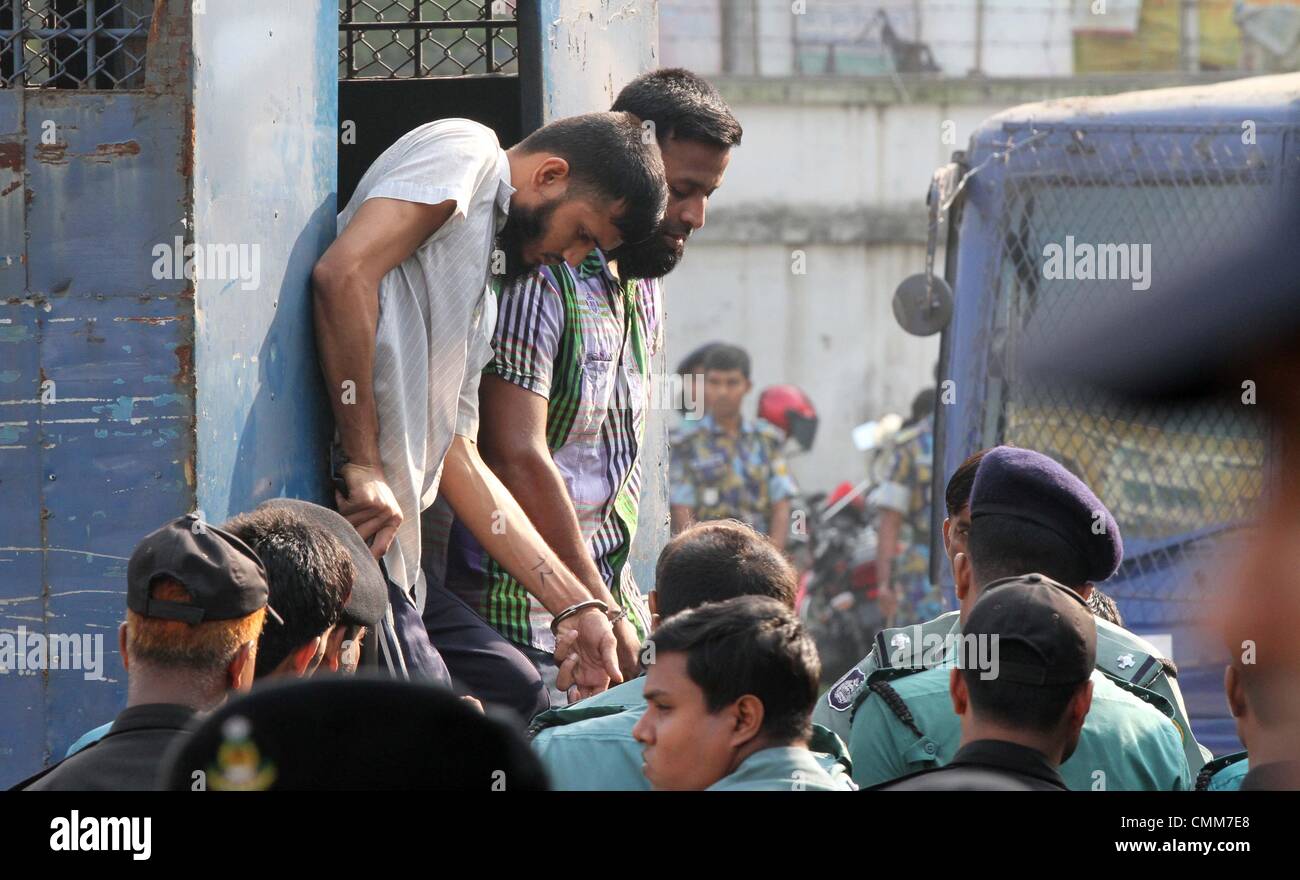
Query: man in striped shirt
562	404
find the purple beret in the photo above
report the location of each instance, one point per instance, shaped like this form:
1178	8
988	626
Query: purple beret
1030	486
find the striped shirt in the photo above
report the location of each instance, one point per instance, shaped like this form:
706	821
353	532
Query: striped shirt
435	317
583	340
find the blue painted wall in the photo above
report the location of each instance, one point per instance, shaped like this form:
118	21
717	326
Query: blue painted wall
232	141
265	171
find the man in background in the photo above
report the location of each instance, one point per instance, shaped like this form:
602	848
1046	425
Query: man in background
903	499
725	466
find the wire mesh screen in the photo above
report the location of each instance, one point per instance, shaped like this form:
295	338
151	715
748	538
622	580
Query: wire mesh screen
1090	217
73	44
398	39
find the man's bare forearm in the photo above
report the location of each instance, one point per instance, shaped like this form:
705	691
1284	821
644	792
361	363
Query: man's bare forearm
346	314
484	504
536	483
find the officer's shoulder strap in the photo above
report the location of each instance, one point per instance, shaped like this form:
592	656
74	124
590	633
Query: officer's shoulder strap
896	648
1125	655
570	715
1158	701
1213	767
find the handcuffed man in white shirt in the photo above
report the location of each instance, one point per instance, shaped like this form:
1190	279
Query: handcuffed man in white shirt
404	320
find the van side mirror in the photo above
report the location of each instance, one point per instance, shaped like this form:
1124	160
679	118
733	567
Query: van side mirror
923	304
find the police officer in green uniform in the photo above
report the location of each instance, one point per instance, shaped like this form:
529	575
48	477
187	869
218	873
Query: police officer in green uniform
1033	515
588	746
1022	711
1121	654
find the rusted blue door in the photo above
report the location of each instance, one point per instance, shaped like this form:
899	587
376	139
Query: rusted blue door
137	141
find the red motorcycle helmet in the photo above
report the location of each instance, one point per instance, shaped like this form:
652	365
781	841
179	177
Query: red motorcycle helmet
789	409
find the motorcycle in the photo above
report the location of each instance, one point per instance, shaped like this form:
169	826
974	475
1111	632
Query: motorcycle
839	594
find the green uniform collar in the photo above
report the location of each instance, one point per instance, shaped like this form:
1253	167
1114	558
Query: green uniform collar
782	768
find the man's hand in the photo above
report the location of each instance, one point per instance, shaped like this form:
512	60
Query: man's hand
370	506
590	638
629	649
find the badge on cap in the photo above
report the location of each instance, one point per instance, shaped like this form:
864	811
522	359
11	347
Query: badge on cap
844	690
239	764
1124	661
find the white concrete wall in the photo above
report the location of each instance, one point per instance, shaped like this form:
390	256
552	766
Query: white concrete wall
803	179
831	332
1022	38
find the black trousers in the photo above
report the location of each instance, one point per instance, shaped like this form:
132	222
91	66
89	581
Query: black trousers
482	662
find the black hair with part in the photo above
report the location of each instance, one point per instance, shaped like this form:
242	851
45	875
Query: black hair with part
719	560
681	105
726	358
610	160
310	575
750	645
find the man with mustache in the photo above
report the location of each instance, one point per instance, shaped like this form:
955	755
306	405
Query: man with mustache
563	401
403	322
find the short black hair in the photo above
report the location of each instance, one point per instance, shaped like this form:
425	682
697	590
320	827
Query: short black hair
609	159
727	357
719	560
1039	708
749	645
310	577
1007	546
681	105
957	495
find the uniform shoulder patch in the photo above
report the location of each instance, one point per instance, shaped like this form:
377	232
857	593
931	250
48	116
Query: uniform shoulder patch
840	696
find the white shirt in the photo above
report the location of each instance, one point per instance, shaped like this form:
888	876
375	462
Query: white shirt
435	314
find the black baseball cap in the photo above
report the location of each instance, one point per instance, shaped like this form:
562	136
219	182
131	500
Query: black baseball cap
1049	623
369	597
222	573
